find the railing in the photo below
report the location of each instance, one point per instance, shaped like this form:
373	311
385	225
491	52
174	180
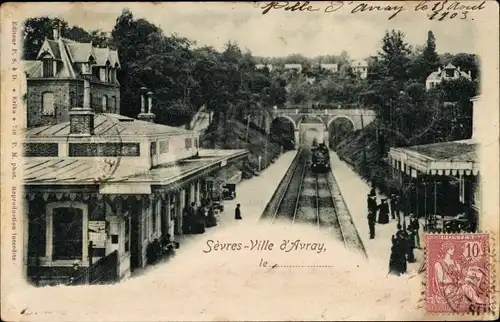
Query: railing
105	270
330	111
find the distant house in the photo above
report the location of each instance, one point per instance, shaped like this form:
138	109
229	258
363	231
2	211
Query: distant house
262	66
448	73
360	67
331	67
297	67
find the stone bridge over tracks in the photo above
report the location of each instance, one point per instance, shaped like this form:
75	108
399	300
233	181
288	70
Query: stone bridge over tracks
301	120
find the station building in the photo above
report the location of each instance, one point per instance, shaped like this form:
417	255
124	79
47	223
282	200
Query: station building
100	187
441	179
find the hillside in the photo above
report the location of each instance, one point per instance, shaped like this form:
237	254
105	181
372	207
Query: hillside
355	146
234	138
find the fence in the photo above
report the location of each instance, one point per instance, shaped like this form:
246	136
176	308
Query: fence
105	270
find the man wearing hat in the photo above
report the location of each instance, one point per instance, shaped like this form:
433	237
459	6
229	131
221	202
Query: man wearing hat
372	203
414	227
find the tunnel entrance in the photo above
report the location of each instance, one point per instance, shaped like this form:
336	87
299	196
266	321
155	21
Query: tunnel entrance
282	133
338	129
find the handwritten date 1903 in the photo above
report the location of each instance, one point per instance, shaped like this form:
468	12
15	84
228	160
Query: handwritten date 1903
442	10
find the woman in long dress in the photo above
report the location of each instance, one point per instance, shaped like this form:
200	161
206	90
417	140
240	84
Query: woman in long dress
211	220
383	215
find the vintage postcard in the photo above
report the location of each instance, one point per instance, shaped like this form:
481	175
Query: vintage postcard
250	161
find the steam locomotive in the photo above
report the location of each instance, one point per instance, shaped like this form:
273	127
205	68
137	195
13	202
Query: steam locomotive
320	159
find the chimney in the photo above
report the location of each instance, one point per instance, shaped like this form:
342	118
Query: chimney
458	68
81	119
146	116
439	69
469	73
55	33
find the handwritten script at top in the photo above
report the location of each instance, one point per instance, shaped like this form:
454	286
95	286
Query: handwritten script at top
435	10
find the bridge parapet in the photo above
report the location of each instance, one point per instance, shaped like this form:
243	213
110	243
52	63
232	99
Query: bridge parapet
320	112
358	117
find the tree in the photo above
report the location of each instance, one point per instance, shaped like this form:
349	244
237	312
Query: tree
430	59
394	56
36	30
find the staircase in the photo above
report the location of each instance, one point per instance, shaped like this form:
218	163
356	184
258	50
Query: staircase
201	120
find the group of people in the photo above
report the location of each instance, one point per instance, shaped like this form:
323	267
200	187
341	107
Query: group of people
196	219
382	209
404	241
161	249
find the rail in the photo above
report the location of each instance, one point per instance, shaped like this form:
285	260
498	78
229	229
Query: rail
301	187
287	185
351	239
102	271
272	207
317	202
337	216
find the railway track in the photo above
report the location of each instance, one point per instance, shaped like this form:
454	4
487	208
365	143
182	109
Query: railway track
316	199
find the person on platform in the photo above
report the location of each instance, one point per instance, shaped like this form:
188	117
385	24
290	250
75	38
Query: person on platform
372	204
395	259
383	215
402	242
371	224
414	227
211	220
394	206
237	212
186	221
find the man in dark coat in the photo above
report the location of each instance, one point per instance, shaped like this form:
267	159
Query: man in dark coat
402	249
371	224
414	227
237	212
372	204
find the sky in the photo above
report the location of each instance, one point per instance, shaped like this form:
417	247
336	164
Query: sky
277	33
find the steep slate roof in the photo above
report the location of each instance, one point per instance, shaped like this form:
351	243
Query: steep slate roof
437	74
359	63
434	76
55	49
107	124
70	53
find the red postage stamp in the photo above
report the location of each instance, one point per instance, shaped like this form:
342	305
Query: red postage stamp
458	273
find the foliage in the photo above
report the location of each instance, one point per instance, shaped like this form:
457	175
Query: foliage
36	30
408	114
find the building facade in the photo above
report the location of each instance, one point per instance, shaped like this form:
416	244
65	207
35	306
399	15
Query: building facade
331	67
55	81
450	72
360	67
442	179
100	188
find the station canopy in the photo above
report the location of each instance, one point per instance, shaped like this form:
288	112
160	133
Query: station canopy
446	158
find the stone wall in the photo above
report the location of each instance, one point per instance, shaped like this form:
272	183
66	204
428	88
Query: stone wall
67	93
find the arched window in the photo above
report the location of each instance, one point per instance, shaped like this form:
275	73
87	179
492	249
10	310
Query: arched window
91	99
113	103
48	103
104	103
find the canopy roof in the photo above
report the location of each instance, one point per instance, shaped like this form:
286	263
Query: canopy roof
446	158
